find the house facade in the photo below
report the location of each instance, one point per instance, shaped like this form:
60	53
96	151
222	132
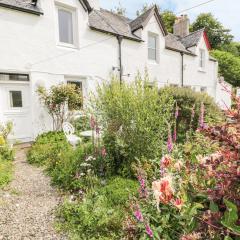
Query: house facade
47	42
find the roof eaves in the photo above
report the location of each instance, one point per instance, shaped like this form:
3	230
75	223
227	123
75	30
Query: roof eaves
116	34
21	9
180	51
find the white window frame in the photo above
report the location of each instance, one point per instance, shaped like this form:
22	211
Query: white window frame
202	59
154	35
74	26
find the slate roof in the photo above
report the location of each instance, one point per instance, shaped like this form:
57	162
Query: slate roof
174	43
109	22
192	39
21	5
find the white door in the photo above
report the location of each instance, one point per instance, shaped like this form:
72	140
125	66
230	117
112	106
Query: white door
15	107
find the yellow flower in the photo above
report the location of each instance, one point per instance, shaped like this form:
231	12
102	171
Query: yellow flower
2	141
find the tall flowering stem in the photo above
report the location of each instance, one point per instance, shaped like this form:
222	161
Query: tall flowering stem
170	141
143	193
201	118
175	126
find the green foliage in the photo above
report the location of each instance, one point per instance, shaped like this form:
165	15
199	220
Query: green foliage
135	119
56	100
47	148
230	217
6	168
233	48
186	99
216	32
101	213
120	10
229	66
169	19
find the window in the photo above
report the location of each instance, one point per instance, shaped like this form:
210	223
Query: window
203	89
77	84
16	99
14	77
152	47
65	25
202	59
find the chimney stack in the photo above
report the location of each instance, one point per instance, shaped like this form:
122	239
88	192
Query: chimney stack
181	26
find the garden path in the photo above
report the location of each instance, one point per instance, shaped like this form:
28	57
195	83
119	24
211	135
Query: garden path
27	205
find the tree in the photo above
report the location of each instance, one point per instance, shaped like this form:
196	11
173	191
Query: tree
59	101
168	16
120	10
169	19
216	32
229	66
233	47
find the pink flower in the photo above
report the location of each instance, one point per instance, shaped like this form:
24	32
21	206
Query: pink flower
143	190
104	152
166	161
138	215
178	165
178	203
149	231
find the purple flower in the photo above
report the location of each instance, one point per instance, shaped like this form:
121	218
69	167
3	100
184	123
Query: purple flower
143	190
170	142
149	231
138	215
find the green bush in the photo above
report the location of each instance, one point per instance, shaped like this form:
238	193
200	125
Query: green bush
101	213
186	99
47	148
134	117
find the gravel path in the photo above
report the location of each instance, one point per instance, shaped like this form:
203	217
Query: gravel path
27	205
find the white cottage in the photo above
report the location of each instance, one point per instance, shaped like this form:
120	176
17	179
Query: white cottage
47	42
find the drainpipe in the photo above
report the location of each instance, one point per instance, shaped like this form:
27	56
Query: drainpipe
120	38
182	71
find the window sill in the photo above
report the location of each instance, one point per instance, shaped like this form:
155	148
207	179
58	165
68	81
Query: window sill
153	62
202	70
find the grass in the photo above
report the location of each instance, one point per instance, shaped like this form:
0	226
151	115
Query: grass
6	170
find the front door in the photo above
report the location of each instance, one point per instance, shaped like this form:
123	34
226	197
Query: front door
15	107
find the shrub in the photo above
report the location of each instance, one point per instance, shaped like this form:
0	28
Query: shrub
56	100
47	147
5	172
101	213
189	103
135	120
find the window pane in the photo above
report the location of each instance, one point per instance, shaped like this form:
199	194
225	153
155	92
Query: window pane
14	77
152	42
152	54
202	58
65	26
16	99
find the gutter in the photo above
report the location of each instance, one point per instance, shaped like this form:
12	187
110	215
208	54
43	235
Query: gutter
35	12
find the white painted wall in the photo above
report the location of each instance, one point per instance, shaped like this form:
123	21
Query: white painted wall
29	44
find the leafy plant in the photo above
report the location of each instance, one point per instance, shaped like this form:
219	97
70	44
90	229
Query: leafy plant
134	119
59	101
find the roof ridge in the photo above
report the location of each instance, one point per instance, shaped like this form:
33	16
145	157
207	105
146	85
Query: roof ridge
202	29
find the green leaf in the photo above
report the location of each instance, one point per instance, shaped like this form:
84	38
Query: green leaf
214	207
228	238
230	217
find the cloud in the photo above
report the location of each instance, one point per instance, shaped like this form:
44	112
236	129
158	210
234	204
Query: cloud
227	12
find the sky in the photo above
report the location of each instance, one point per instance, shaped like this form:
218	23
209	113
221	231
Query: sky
226	11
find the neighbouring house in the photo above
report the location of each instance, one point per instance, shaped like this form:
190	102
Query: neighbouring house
47	42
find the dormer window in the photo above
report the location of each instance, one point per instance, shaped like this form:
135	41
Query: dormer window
202	58
66	26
